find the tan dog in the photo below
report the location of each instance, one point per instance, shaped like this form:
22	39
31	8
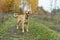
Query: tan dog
23	18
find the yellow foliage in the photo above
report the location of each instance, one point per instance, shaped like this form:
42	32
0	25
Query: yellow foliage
8	3
33	4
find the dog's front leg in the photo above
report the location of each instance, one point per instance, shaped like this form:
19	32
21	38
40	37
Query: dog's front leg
18	23
23	21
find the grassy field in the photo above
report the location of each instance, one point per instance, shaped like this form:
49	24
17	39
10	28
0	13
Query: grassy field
7	25
47	21
38	30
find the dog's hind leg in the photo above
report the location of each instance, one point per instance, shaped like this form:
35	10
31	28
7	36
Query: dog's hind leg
18	23
23	21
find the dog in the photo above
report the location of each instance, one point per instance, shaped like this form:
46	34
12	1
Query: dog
23	18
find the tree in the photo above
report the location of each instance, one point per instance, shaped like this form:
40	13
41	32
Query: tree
7	6
53	13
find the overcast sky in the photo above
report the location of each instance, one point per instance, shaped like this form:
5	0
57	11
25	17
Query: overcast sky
46	4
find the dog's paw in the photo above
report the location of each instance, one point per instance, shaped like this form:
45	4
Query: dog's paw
17	27
27	30
22	31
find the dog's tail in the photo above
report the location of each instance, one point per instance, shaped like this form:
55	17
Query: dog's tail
15	15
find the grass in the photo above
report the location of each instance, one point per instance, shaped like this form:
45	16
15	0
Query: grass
37	30
48	22
7	25
41	31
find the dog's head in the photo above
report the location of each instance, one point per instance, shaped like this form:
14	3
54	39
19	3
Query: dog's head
28	12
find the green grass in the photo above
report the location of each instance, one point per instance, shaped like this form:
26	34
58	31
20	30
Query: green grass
41	31
37	30
7	25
